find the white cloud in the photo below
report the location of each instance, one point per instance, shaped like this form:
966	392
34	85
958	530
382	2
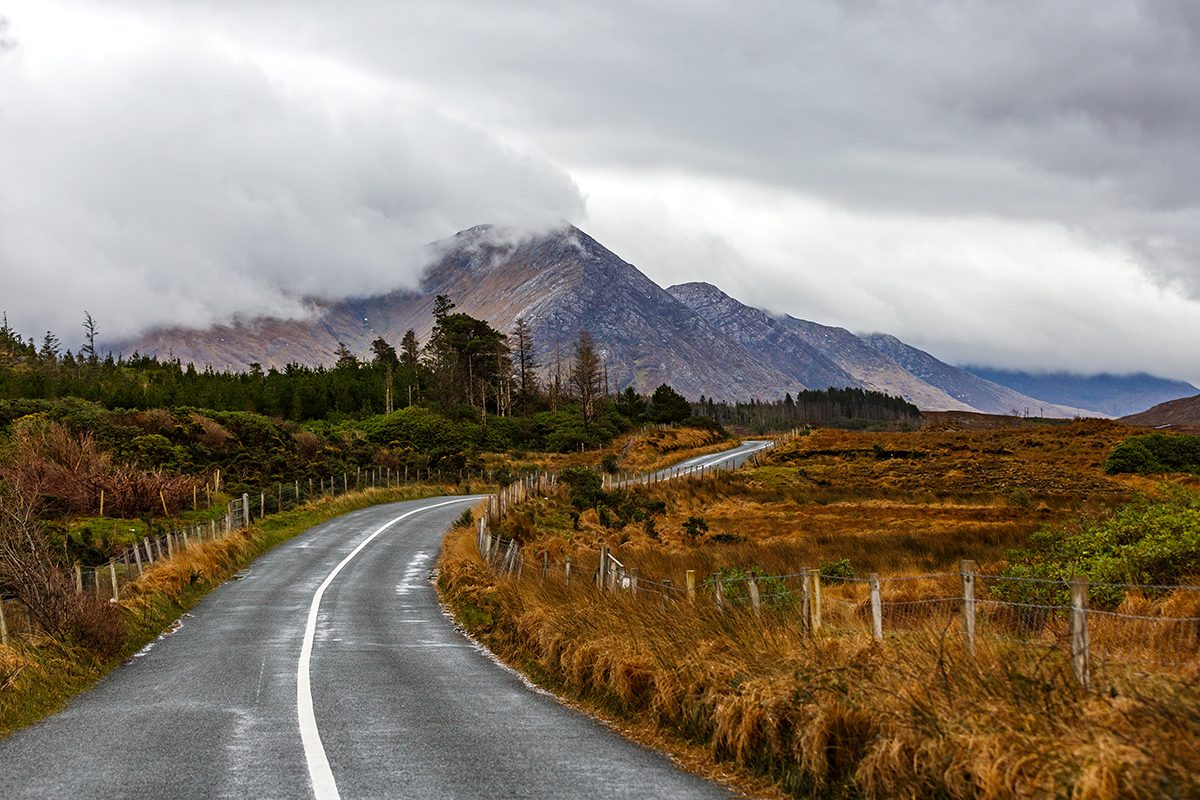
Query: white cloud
168	176
1019	294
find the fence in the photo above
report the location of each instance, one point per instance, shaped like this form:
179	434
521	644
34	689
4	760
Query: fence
1141	626
505	555
106	580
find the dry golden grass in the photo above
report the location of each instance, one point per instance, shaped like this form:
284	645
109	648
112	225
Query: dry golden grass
838	715
654	448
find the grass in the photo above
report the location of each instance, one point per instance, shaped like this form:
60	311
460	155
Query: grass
39	677
837	715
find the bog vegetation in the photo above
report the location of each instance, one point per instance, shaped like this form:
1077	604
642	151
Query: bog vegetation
838	714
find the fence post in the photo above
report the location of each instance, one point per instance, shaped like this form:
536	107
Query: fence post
967	570
245	510
567	573
345	484
690	581
170	547
96	581
78	578
813	582
137	556
1080	654
752	585
545	564
112	573
876	607
262	504
718	592
602	574
3	626
149	552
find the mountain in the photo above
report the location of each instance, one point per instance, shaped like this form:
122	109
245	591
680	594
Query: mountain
561	282
1114	395
964	386
814	356
692	336
1184	412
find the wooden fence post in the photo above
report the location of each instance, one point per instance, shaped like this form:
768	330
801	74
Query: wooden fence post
149	552
718	592
3	626
96	581
967	570
813	582
602	574
112	572
245	510
545	564
170	547
690	582
633	581
1080	651
752	585
137	556
876	607
78	578
567	572
262	504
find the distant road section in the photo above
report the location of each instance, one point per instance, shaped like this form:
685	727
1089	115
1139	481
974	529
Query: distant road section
401	705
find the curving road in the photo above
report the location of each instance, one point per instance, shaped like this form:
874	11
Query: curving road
329	670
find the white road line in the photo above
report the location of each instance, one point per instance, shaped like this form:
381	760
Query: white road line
323	785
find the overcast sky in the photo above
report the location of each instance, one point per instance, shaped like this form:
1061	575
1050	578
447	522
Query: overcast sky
1013	184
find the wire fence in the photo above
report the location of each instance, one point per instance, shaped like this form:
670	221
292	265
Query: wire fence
1154	627
107	580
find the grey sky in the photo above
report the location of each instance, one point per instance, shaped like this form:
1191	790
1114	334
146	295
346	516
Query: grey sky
1011	183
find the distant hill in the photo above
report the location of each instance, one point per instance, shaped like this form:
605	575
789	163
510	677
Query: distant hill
967	387
1114	395
1181	413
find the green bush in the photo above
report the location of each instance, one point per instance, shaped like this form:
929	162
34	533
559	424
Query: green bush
1154	541
1155	452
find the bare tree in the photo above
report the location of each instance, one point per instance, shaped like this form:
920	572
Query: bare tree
526	364
586	373
90	330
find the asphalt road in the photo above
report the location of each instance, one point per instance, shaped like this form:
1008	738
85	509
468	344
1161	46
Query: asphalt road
329	670
726	459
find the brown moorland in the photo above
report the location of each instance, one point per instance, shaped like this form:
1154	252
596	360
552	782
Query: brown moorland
835	714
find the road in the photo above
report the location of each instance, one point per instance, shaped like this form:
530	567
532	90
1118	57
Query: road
726	459
329	670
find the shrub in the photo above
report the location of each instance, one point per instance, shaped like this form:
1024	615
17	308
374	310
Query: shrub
694	527
1155	452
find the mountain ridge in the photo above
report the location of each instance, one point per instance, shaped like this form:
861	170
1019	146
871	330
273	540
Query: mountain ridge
692	336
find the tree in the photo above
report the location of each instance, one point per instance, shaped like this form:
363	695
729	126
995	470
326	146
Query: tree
526	364
345	359
385	358
631	404
585	376
90	330
410	361
668	405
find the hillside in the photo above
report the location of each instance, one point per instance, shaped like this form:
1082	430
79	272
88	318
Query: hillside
1181	413
1113	395
989	397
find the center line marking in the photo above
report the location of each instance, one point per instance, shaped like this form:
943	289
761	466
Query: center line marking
323	784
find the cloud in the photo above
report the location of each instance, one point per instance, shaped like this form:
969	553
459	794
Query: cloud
978	177
166	177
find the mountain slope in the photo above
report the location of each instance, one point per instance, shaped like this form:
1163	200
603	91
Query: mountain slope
989	397
562	282
1184	412
817	356
1116	395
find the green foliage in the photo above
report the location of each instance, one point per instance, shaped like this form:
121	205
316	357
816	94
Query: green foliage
668	406
609	464
1153	541
837	570
773	592
1155	452
464	519
695	527
585	483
